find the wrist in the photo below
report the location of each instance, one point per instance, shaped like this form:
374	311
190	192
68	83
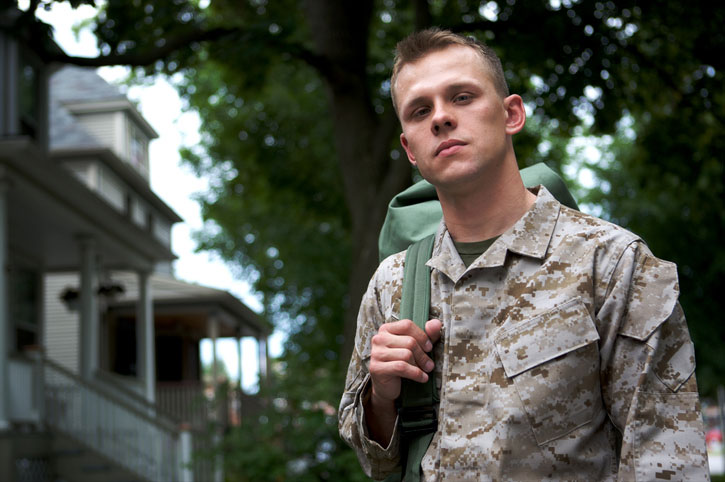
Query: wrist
379	402
380	416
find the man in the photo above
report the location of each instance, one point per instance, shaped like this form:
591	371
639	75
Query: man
560	351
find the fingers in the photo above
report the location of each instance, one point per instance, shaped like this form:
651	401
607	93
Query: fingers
399	350
425	338
408	328
406	355
401	343
390	373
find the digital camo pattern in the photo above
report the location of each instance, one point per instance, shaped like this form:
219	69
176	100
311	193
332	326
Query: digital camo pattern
562	342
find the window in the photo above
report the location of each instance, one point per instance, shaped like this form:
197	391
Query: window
122	346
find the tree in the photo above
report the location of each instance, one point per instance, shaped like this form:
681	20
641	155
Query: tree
301	141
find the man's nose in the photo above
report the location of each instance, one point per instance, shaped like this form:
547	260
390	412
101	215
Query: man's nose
442	120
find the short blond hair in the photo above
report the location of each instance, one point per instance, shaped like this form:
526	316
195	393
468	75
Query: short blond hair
419	44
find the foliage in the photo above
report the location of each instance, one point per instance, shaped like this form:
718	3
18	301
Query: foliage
664	177
276	193
300	142
295	438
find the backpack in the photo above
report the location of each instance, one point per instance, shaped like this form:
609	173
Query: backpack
411	223
415	212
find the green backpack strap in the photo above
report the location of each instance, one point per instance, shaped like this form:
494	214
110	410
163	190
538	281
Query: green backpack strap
416	405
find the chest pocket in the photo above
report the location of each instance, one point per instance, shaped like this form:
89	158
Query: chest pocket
553	360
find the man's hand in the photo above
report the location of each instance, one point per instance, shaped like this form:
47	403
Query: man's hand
399	350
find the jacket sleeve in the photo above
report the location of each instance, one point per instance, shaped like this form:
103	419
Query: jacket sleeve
648	372
376	461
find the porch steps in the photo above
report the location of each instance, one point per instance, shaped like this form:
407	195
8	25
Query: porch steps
37	456
74	462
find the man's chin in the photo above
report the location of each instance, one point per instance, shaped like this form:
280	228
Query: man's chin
455	183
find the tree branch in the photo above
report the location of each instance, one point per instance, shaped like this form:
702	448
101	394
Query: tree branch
175	43
30	12
141	58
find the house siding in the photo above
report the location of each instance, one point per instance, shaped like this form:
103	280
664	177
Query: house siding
61	333
162	231
111	188
85	171
101	126
139	212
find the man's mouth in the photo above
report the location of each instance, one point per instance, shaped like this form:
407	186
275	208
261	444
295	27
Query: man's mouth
449	147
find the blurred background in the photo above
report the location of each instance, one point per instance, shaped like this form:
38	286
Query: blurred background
275	120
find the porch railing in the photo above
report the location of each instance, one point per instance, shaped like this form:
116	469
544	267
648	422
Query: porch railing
186	402
189	403
134	437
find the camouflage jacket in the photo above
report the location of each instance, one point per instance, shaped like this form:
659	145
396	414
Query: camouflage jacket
564	355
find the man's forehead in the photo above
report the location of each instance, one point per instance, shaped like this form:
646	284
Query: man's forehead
450	54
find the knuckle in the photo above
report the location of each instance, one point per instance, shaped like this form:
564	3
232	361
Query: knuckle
411	358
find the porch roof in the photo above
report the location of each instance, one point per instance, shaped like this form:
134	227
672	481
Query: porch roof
177	301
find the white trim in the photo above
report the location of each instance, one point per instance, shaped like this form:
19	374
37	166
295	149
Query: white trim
4	315
145	339
88	308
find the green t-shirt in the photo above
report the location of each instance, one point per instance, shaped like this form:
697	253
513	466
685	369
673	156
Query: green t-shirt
469	252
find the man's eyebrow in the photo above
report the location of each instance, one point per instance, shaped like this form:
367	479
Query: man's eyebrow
461	86
421	99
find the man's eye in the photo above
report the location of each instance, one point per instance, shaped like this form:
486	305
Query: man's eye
420	112
462	98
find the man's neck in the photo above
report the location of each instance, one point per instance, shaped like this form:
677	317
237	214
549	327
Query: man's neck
486	210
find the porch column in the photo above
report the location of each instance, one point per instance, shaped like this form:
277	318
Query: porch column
263	360
4	315
213	328
88	307
240	390
145	338
239	356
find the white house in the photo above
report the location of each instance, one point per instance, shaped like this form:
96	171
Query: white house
99	347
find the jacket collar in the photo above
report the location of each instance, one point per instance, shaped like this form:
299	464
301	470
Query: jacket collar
529	236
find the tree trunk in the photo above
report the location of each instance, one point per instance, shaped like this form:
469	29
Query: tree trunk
362	139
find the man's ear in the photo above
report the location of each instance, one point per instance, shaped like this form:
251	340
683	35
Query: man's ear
408	152
515	114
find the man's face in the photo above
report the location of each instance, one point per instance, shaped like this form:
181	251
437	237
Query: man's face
455	124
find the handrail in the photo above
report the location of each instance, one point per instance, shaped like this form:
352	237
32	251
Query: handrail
155	419
129	396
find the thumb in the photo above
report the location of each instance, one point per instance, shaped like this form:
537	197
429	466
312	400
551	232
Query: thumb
433	329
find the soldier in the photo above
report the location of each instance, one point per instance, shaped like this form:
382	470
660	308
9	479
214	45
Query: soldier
561	351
